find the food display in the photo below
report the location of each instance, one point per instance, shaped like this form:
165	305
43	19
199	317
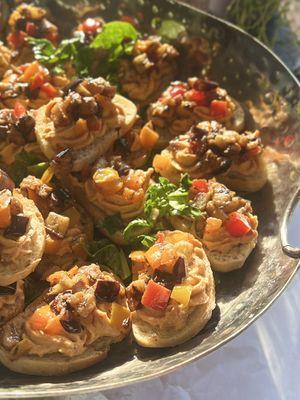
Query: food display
118	198
184	104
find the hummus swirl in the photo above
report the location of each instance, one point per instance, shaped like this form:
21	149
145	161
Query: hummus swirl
197	277
209	149
152	66
79	312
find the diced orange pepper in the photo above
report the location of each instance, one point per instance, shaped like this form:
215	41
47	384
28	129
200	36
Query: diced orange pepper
5	216
148	137
44	319
52	246
30	71
49	89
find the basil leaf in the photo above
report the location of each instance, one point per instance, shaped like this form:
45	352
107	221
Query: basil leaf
170	30
112	224
136	228
106	253
23	160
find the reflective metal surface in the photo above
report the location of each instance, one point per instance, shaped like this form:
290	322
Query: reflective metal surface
253	75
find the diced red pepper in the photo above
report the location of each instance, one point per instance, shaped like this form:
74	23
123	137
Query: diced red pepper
156	296
160	237
237	224
200	185
19	110
16	39
198	97
90	25
218	108
49	89
289	140
30	28
37	81
177	91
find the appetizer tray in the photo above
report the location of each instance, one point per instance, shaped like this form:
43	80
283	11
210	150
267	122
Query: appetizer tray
270	96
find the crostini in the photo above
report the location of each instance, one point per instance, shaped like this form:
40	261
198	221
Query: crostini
150	68
226	225
86	121
209	149
111	191
29	21
184	104
172	295
69	328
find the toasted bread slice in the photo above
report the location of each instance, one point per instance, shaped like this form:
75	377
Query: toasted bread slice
240	182
55	365
20	359
235	259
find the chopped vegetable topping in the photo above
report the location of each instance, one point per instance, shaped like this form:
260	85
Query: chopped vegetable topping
156	296
237	224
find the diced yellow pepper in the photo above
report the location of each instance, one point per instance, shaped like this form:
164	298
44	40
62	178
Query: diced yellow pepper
47	175
105	175
148	137
108	180
119	314
182	294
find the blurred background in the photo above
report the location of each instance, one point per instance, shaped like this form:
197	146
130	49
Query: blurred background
275	22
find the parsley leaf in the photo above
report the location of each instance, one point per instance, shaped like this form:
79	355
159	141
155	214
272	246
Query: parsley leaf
69	50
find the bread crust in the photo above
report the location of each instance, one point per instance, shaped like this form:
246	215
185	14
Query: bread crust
14	272
231	261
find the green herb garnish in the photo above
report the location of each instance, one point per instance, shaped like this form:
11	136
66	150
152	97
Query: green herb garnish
163	199
27	163
116	40
112	224
68	51
101	57
106	253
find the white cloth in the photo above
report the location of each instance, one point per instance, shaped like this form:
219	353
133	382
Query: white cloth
263	363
